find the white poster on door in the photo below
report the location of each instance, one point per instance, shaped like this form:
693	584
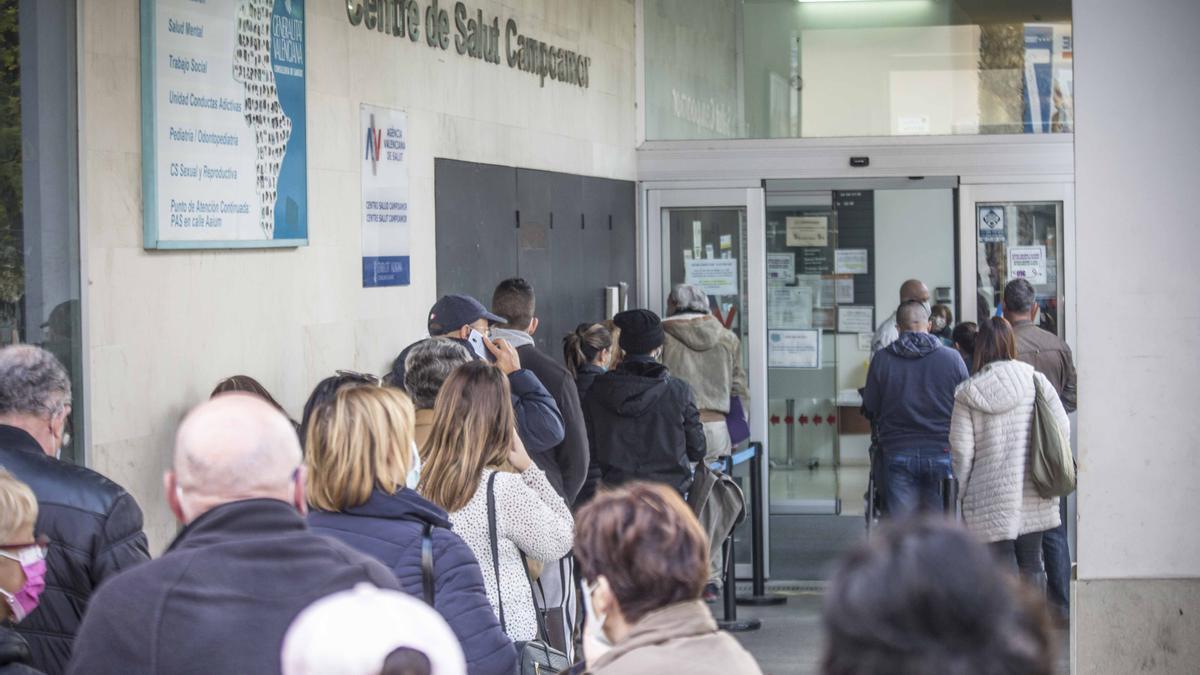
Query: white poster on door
1027	262
781	268
794	348
850	261
807	230
714	276
789	307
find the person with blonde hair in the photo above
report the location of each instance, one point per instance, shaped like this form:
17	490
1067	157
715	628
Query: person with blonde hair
22	570
512	514
360	459
244	564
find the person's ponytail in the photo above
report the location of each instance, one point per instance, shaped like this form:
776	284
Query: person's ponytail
582	345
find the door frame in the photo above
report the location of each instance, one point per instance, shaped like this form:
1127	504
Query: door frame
748	195
969	195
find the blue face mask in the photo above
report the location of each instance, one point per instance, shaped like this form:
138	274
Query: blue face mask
414	474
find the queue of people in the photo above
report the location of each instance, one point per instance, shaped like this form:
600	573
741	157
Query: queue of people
479	509
965	411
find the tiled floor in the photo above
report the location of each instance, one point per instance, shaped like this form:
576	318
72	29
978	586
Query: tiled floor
790	640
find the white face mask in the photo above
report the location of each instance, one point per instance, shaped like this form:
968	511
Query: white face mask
595	642
938	323
414	474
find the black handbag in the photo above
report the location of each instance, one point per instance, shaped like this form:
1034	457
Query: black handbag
535	657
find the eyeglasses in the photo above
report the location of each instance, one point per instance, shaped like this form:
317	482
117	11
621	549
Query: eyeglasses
357	376
27	553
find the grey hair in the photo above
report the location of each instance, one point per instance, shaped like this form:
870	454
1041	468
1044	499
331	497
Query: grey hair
689	298
911	312
1019	296
32	381
427	366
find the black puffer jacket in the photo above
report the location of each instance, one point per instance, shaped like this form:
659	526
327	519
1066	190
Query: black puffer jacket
14	654
95	531
643	425
584	378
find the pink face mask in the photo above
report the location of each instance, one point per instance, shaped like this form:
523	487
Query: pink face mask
33	563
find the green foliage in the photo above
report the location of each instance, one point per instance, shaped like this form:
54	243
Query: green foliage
12	264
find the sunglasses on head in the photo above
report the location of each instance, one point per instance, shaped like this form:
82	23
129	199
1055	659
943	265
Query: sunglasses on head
357	376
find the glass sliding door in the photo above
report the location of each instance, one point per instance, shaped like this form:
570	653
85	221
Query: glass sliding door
1011	231
712	238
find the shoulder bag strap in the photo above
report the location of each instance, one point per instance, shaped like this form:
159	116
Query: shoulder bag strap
543	633
491	507
427	563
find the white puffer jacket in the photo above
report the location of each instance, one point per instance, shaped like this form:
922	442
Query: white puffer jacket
989	444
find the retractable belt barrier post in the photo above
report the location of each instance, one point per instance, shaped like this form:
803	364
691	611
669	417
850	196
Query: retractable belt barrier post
758	591
950	498
730	622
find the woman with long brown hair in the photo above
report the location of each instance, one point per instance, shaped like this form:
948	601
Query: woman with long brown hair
989	443
360	459
473	436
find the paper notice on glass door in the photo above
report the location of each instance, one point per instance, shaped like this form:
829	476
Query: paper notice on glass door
714	276
850	261
807	230
789	307
844	291
794	348
1027	262
856	319
781	268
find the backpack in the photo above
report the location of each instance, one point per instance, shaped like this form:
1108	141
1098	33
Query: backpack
1050	460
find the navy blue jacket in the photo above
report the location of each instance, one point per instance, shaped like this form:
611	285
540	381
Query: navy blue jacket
389	528
910	392
221	598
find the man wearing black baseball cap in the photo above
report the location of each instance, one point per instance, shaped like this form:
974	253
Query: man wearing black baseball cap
464	319
642	422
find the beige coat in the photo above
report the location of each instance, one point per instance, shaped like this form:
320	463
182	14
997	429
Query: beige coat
989	445
679	638
700	351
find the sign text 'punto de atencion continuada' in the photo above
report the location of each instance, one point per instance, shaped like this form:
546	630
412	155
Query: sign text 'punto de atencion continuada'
472	36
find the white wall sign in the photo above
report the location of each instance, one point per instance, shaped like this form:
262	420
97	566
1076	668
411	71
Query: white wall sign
717	276
224	161
385	225
1027	262
794	348
807	230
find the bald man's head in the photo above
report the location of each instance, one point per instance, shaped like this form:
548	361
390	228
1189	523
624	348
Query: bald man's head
230	448
914	290
912	317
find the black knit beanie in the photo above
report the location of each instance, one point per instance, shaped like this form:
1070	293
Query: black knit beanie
641	331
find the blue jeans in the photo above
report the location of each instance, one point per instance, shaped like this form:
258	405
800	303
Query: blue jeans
1057	552
912	479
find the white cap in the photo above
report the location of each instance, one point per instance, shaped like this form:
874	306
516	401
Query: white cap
352	632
